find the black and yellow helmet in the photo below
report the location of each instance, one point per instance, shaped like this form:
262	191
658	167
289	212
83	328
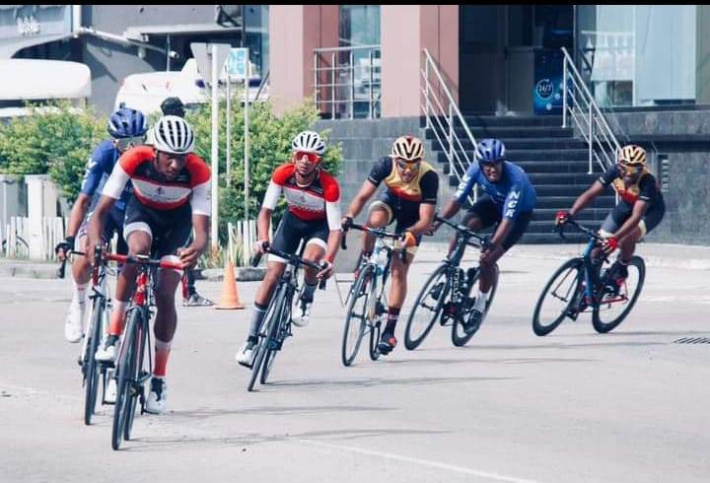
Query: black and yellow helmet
632	155
409	148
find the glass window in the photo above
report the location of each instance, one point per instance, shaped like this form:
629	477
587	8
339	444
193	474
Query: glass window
257	36
638	55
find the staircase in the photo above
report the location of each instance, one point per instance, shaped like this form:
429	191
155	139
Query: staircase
556	162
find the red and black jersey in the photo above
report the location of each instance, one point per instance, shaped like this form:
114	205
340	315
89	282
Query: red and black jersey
153	189
320	200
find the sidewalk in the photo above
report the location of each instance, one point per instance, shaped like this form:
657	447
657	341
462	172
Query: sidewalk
690	257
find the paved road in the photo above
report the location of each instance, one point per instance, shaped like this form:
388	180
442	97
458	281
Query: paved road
575	406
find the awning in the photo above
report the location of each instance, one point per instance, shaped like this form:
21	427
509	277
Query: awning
34	79
141	33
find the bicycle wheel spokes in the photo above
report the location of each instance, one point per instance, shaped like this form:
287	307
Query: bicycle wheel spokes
357	315
614	306
459	334
427	308
126	378
558	297
267	334
91	365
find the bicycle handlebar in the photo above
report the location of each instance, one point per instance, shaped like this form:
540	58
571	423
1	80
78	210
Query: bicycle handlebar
483	241
291	259
587	231
378	232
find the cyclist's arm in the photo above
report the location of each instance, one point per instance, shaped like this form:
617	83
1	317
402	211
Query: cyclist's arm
96	226
587	197
429	184
505	226
426	218
78	212
639	209
451	208
463	191
273	193
366	191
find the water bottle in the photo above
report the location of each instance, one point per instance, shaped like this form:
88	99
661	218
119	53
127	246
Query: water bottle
381	261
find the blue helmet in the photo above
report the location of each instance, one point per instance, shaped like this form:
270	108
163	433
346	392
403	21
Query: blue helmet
127	123
490	151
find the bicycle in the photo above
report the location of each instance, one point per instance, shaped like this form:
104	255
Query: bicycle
130	372
277	320
445	295
582	283
366	301
96	330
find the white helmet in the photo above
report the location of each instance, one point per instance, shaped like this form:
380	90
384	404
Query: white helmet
172	134
309	142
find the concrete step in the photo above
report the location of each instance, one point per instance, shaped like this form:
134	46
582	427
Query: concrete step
509	132
558	166
523	143
566	202
566	179
474	120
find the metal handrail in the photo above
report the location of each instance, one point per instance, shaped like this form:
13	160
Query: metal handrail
442	120
588	118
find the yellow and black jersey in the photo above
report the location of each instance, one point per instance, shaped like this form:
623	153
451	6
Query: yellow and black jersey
645	189
422	189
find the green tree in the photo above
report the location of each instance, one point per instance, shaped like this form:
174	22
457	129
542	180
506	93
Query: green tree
55	139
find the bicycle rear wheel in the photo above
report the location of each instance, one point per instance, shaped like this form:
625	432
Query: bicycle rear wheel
139	377
612	308
427	308
124	381
357	315
559	296
271	322
91	365
459	336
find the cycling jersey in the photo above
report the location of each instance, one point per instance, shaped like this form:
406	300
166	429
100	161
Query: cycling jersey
422	189
645	189
513	193
320	200
98	170
154	190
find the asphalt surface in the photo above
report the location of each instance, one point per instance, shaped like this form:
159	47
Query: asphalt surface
575	406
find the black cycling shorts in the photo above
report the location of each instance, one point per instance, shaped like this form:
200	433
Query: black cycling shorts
292	230
404	212
169	229
622	212
113	224
490	214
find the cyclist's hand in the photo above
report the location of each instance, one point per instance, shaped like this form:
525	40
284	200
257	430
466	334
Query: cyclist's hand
434	227
408	239
261	247
189	256
63	248
562	217
346	222
609	245
326	270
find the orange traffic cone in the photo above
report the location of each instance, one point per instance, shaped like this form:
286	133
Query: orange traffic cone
229	300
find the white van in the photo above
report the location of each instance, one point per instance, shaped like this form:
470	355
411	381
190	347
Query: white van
145	92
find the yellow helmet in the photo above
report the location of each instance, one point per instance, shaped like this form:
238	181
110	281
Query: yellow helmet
632	155
408	148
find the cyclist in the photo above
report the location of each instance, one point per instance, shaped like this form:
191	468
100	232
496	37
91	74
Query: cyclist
127	128
313	216
173	106
171	195
410	200
640	209
508	203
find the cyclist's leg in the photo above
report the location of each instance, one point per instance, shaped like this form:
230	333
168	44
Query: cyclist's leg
380	213
627	245
81	275
483	214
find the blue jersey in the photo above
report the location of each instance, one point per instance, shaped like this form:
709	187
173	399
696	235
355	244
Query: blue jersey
514	193
100	166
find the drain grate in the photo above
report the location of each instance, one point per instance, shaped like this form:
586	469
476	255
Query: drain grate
692	340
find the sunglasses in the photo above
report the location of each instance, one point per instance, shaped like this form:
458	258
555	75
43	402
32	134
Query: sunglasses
405	166
312	157
630	169
127	143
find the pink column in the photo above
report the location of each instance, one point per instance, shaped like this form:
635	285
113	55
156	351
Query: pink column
294	31
406	31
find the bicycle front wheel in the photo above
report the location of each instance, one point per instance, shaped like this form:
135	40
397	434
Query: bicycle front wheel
558	297
427	308
357	315
278	337
91	374
137	390
272	319
459	336
125	372
613	307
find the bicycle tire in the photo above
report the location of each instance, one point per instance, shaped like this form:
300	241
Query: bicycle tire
375	330
461	339
270	322
91	365
124	381
604	327
271	353
566	269
360	292
434	279
136	388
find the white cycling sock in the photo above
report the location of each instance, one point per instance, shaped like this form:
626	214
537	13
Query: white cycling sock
481	299
79	293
